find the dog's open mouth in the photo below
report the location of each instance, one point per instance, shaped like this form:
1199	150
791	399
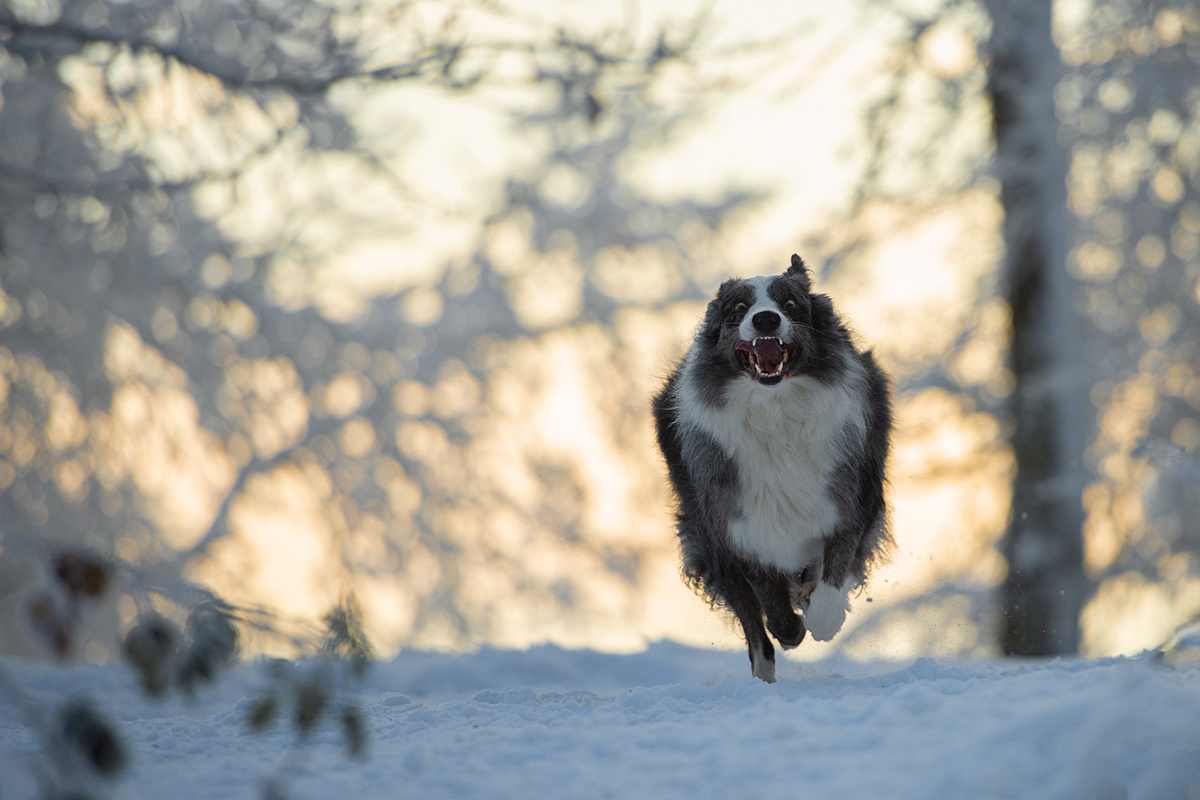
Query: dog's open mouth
765	358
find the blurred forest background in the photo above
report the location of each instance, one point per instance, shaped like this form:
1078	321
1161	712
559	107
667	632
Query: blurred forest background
309	300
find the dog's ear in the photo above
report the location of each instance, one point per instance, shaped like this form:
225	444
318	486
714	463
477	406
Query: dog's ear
800	272
710	328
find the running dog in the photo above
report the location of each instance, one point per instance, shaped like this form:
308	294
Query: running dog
775	431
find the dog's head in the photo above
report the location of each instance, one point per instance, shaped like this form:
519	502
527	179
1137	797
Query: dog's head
768	328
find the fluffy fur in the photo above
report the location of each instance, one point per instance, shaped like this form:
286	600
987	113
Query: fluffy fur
775	431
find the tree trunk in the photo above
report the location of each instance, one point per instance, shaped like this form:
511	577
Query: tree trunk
1045	587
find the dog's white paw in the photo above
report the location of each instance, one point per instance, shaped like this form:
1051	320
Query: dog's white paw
762	667
826	611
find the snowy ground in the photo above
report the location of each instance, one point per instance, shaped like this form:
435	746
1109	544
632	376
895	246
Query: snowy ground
669	722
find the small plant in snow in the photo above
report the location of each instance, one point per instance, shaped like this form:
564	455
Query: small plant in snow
82	750
318	692
163	657
77	577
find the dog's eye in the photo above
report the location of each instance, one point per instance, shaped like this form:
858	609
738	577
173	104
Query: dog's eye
790	305
740	307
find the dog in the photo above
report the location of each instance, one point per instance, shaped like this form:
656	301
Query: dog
775	429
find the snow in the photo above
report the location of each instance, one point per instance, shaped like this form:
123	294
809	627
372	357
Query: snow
671	721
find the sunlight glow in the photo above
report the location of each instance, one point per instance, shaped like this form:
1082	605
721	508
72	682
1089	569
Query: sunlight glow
403	336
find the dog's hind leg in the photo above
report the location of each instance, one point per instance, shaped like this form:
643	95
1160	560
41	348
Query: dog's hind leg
775	595
744	603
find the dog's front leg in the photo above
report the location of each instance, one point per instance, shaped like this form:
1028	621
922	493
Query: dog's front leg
775	595
829	601
744	603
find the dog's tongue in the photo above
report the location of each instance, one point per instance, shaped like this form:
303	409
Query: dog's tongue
769	353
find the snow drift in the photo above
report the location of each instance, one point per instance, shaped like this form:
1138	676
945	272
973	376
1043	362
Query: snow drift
668	722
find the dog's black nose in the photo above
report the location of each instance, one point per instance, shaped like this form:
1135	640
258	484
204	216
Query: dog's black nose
766	322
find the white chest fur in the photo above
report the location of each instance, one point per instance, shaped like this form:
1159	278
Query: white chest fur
785	440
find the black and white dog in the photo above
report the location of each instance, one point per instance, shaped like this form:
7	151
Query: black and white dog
775	431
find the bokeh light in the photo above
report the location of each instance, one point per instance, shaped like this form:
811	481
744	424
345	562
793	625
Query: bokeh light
373	301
